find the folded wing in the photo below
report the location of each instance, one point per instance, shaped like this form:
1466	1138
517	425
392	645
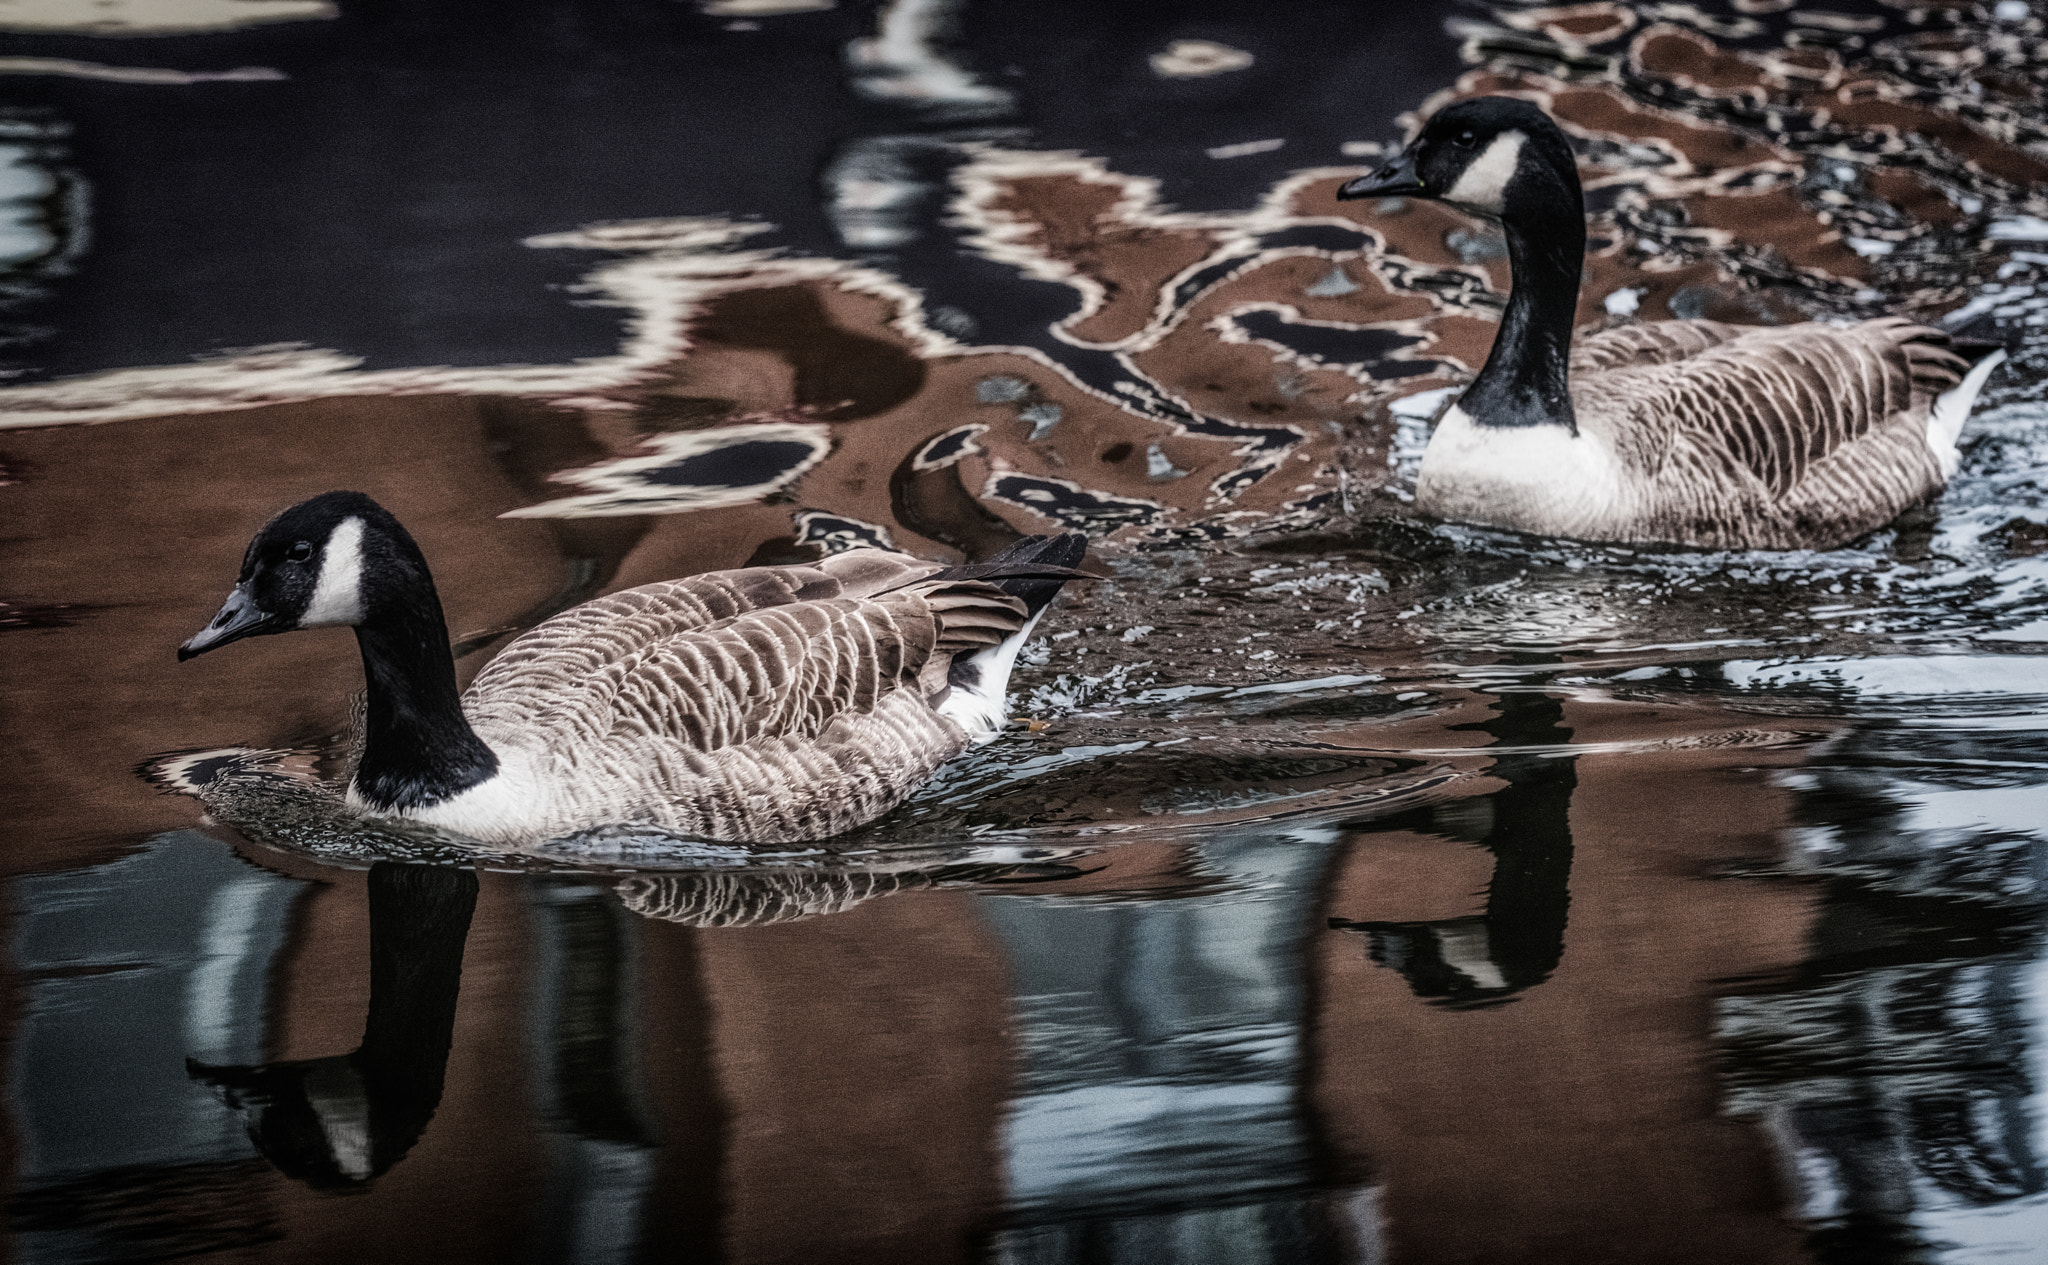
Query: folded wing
1780	403
1656	343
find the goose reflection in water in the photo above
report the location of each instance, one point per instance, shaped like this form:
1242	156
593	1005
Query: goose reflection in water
1486	959
341	1121
762	898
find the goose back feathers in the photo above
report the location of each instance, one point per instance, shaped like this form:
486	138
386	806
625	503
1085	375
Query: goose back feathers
766	705
813	706
1689	432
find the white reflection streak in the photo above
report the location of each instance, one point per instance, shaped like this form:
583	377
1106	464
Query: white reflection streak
1368	1239
760	8
901	63
24	184
229	934
875	190
604	1225
1882	676
155	17
71	69
334	1089
1198	59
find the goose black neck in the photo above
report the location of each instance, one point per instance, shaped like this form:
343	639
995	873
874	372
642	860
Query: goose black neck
1524	380
418	747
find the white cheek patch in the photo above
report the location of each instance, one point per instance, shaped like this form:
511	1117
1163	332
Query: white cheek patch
1484	184
338	593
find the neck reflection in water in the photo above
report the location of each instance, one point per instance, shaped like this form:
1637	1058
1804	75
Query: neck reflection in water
341	1121
1484	960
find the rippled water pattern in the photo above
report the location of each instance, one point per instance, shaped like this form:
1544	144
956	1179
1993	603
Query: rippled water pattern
1360	889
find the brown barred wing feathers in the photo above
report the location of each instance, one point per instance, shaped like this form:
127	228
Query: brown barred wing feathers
866	572
972	614
1655	343
786	671
584	637
782	723
1800	436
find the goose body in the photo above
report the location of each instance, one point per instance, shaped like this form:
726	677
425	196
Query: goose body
1687	432
764	705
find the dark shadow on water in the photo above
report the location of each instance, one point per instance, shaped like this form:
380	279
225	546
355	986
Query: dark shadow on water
341	1121
151	1212
1298	1229
841	375
1485	960
927	496
382	182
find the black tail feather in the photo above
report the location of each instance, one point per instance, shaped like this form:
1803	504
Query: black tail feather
1975	349
1030	570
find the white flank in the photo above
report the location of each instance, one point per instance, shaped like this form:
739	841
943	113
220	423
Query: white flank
983	708
1952	409
1484	184
338	593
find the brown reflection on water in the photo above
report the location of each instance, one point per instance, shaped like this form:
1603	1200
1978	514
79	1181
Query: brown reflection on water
1577	1122
843	1087
1218	373
865	1061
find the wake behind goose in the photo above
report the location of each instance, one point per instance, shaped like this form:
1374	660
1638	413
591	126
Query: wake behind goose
764	705
1688	432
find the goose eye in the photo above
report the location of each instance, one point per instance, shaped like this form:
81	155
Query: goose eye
299	552
1467	138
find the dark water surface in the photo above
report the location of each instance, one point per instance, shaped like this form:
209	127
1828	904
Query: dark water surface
1363	890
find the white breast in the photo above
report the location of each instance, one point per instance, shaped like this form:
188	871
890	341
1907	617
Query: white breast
1540	479
511	804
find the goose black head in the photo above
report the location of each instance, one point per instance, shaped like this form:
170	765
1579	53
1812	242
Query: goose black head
1490	155
307	568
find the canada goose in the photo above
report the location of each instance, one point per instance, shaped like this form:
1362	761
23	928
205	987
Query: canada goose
1689	432
764	705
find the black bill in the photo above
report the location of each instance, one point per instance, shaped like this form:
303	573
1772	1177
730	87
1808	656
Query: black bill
1396	179
239	617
